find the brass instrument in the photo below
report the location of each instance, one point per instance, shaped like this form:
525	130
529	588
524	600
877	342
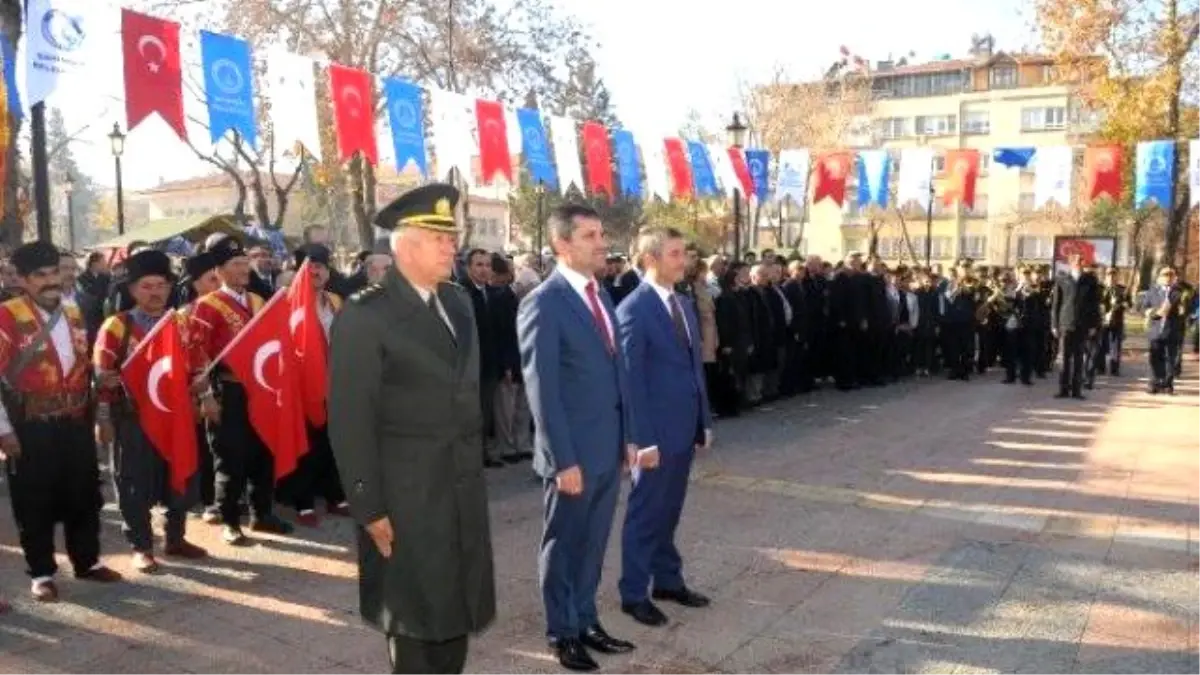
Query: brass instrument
995	301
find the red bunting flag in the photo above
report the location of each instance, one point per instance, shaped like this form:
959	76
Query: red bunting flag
263	359
353	112
831	172
962	172
741	170
1102	171
157	376
493	141
680	168
153	78
599	158
308	343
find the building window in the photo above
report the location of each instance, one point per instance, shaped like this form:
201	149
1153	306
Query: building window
939	163
893	127
941	248
1035	248
849	245
890	247
1043	119
973	246
1004	77
936	125
1025	202
979	210
977	122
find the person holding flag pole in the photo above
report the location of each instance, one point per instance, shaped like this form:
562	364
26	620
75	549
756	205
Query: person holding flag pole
150	422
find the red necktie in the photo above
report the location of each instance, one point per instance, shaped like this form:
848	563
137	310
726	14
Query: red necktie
598	316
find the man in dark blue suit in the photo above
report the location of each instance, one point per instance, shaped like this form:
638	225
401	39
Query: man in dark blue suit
570	360
1165	320
660	343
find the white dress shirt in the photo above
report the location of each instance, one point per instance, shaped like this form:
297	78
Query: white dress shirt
425	293
579	283
241	297
665	294
64	348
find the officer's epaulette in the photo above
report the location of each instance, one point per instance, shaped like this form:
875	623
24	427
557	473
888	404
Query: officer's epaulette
365	295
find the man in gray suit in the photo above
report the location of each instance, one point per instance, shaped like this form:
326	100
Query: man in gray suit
406	427
1165	318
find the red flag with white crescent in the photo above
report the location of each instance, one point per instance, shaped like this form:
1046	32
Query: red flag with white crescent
1102	171
597	151
832	170
962	172
493	141
353	112
263	359
158	379
680	167
308	343
153	76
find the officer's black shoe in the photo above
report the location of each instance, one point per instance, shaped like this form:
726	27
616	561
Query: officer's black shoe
645	613
598	639
572	655
683	596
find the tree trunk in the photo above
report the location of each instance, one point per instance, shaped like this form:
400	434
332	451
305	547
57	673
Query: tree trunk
12	222
1176	213
262	212
358	204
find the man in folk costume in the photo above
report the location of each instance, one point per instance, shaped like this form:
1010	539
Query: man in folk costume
45	435
140	473
243	462
200	279
317	473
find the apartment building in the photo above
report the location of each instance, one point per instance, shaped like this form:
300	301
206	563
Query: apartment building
987	100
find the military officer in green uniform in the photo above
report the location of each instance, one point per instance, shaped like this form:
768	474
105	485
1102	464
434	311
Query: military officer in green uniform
406	427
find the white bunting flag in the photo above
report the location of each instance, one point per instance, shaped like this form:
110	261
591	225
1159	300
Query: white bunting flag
453	133
1194	172
292	92
1052	168
791	178
723	169
655	160
566	153
64	40
916	175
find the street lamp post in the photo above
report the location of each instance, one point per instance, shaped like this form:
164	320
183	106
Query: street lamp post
929	226
540	238
117	139
69	189
737	136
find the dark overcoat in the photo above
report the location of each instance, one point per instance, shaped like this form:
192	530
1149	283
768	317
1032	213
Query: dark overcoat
406	425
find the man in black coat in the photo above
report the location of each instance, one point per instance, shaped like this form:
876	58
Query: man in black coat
476	281
1074	319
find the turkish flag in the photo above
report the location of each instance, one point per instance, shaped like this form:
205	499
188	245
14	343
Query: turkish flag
832	171
1102	171
353	112
153	78
962	172
156	376
596	150
493	141
738	159
680	168
308	344
263	359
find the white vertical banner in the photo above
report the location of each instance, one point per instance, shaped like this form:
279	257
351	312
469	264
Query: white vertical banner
791	176
723	169
65	40
916	175
1052	167
291	90
655	160
566	153
453	133
1194	171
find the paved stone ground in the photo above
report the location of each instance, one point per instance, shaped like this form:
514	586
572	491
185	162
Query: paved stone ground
924	527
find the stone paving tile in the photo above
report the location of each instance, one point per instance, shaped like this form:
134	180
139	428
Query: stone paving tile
1004	532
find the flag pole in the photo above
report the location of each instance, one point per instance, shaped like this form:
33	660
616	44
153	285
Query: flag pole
237	338
146	340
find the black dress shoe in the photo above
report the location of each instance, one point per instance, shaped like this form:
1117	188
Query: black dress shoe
682	595
271	524
1079	397
1061	394
572	655
645	613
598	639
492	464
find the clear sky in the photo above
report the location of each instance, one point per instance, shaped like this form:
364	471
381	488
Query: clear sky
660	59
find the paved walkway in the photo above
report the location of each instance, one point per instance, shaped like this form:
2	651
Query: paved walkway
932	526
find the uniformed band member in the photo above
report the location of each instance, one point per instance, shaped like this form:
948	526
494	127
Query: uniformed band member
45	431
406	426
1164	308
243	462
200	279
1114	300
317	474
140	474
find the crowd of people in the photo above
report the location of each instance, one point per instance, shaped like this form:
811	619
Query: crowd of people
502	367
